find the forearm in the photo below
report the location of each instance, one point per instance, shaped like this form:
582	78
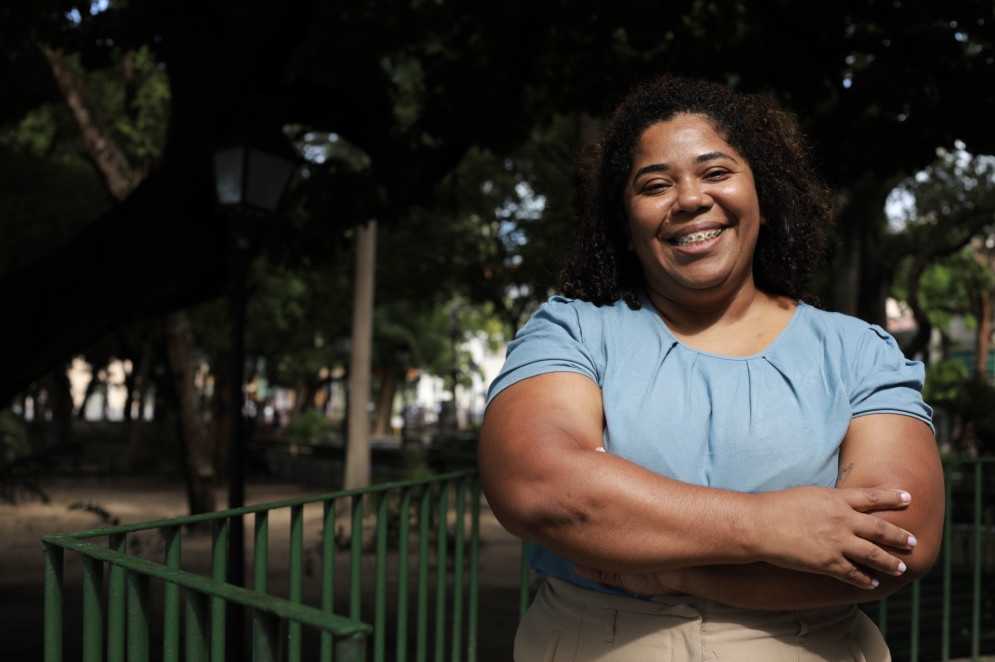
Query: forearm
624	517
763	586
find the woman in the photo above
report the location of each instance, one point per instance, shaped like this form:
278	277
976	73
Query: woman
768	466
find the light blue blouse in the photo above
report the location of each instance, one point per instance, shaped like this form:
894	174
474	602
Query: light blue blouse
752	424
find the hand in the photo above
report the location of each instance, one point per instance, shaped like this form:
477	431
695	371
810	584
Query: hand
830	532
661	583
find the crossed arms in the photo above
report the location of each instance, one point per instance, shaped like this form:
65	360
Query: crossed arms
799	548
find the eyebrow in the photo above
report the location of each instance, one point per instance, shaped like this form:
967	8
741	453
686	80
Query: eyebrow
663	167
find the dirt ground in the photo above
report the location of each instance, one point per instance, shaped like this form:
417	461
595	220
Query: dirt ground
89	503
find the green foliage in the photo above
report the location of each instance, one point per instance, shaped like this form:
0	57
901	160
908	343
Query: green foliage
14	441
307	428
948	287
953	391
944	382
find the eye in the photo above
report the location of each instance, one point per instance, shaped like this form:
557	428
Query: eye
654	186
716	174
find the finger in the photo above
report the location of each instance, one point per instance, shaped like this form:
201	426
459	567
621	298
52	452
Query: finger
866	499
875	558
854	575
881	532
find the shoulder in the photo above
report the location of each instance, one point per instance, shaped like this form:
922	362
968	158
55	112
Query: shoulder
849	347
878	377
565	335
845	331
582	319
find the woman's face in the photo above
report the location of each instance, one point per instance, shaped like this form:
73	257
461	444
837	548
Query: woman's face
693	213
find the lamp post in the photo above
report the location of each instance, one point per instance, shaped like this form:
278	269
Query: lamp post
250	178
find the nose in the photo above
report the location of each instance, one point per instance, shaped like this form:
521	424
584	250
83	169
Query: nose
691	196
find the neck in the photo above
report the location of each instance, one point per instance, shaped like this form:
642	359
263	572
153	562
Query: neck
691	315
736	326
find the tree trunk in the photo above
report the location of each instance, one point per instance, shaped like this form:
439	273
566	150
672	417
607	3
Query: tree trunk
357	460
197	456
142	373
983	339
385	402
60	404
122	179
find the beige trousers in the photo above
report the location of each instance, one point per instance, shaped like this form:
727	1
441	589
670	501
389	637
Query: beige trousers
567	623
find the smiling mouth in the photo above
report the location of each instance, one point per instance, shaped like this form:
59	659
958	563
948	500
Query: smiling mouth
697	237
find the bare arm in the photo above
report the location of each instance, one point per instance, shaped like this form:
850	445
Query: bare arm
879	451
545	483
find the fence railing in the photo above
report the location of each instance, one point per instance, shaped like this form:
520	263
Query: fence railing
950	613
404	556
392	574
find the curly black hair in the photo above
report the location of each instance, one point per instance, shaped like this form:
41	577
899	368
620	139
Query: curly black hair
793	199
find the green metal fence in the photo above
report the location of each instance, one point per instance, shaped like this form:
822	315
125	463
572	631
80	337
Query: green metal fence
950	613
403	557
391	573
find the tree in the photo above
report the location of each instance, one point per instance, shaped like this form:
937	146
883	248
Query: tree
948	232
416	87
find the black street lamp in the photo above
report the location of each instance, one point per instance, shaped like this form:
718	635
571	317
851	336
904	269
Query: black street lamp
250	179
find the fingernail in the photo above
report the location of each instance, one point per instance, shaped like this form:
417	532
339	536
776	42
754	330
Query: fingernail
906	497
901	567
874	583
912	541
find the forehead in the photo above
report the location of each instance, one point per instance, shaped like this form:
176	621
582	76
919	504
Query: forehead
683	135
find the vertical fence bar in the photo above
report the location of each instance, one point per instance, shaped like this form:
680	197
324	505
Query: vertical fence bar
459	542
219	571
138	617
296	579
403	552
356	559
380	588
440	572
350	649
327	575
523	594
883	616
197	626
948	549
914	630
260	563
171	599
116	595
979	487
266	642
424	525
53	602
93	610
474	616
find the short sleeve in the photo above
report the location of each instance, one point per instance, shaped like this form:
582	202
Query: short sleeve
551	341
884	381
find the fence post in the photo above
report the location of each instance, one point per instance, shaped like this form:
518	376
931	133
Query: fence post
53	602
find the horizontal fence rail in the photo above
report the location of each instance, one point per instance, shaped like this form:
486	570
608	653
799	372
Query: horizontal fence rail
383	573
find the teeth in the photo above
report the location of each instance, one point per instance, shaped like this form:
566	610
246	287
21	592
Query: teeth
698	237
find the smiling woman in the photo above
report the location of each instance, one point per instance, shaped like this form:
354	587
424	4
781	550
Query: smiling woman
693	214
716	525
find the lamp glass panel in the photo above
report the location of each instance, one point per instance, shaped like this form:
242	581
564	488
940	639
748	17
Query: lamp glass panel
228	168
268	176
